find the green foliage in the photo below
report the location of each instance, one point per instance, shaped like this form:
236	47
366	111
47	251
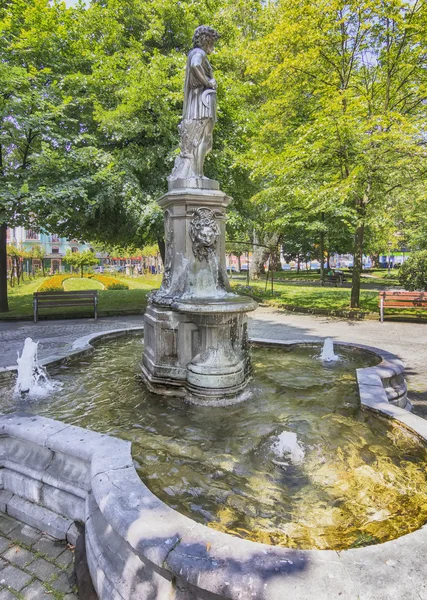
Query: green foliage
341	118
413	272
81	259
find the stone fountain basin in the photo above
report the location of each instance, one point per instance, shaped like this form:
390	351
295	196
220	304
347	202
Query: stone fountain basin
231	303
138	547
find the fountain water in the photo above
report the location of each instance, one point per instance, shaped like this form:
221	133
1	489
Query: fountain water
328	354
287	443
32	378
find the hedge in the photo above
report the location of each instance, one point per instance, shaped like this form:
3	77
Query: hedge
54	283
110	283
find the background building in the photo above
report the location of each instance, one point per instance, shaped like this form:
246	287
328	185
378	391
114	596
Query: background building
54	247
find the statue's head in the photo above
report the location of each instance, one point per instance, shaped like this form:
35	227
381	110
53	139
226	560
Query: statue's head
205	37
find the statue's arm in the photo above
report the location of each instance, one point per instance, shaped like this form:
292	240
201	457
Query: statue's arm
199	72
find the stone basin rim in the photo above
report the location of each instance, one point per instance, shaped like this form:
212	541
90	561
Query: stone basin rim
182	545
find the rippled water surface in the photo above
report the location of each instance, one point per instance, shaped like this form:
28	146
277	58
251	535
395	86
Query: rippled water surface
297	464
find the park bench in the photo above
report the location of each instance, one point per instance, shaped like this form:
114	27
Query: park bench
401	300
62	299
336	279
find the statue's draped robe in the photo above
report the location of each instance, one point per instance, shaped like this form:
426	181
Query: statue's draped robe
199	97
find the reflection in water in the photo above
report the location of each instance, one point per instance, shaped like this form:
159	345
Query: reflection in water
298	464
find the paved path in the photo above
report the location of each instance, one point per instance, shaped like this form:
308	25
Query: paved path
34	566
407	340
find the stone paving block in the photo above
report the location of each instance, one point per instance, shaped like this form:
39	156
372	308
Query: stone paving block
7	524
62	584
14	578
36	591
4	544
48	546
69	597
43	569
6	595
19	556
26	534
64	559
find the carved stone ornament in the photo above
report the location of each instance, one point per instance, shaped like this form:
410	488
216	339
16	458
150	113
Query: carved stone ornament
167	275
204	232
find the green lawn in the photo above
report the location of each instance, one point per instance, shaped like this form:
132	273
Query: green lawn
325	298
21	298
377	276
111	302
78	283
134	300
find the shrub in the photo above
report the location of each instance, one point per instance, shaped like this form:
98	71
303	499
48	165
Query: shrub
54	283
110	283
413	273
118	286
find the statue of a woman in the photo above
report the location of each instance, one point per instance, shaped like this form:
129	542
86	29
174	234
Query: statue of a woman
199	114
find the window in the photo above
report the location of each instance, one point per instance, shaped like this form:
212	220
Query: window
74	249
31	234
55	250
54	238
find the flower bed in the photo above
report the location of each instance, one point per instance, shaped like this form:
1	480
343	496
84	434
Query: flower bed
110	283
54	283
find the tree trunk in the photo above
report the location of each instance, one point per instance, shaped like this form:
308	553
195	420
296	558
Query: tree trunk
357	264
4	306
81	270
239	262
322	251
298	263
162	248
259	256
13	273
18	270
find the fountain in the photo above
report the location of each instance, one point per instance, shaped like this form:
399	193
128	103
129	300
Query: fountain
195	327
328	355
32	378
284	495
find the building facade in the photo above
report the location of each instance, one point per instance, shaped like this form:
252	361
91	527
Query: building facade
53	246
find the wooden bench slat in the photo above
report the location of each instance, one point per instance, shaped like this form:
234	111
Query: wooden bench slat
69	294
65	299
401	299
65	303
405	304
404	295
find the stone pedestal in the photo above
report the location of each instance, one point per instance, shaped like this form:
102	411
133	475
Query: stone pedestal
195	327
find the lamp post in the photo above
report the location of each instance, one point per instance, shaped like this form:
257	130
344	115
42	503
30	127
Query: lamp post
389	244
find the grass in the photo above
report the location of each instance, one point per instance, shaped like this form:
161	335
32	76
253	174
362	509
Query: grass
77	283
134	300
326	298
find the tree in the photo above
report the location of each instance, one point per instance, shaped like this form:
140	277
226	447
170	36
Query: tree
52	174
341	125
38	252
413	272
81	259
